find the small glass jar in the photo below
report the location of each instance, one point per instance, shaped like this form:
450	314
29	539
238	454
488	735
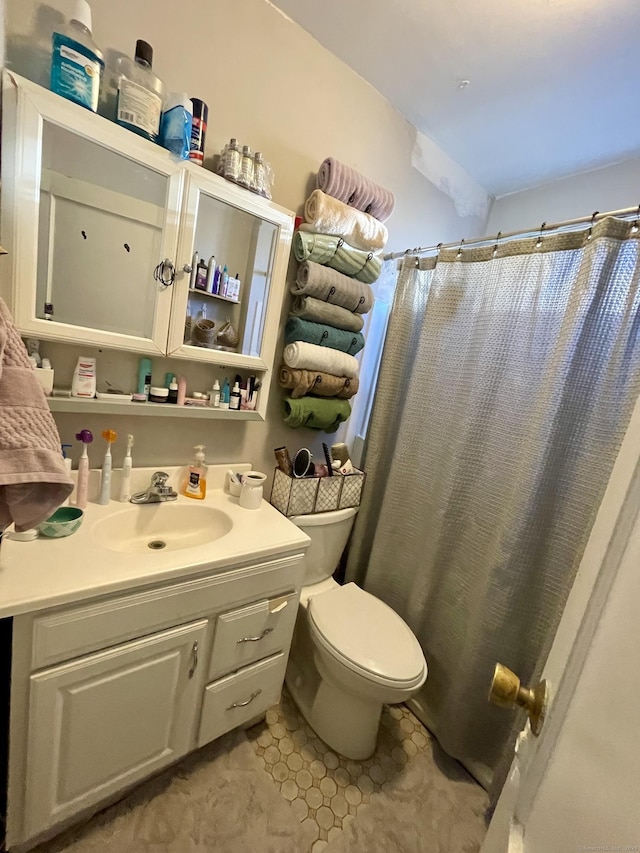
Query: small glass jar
158	395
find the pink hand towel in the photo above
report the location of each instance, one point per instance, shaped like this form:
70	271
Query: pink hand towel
33	480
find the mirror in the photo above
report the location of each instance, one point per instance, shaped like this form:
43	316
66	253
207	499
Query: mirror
226	311
99	236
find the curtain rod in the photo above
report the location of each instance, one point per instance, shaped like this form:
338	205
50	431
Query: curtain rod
541	230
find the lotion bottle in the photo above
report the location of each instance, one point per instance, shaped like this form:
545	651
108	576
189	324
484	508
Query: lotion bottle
195	483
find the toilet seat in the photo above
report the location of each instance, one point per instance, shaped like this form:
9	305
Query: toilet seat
367	637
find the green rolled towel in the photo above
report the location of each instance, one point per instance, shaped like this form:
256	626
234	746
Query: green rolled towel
310	308
334	252
322	335
325	413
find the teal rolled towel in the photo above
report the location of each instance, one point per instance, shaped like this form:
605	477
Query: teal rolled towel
322	335
325	413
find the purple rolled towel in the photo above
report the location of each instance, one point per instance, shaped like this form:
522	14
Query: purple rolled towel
352	188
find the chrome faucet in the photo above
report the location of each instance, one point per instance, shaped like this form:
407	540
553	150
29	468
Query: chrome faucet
158	491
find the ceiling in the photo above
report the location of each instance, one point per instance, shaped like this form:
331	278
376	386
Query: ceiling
553	84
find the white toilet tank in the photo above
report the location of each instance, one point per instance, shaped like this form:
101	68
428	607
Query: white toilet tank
328	532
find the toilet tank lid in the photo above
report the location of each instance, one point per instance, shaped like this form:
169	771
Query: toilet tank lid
320	518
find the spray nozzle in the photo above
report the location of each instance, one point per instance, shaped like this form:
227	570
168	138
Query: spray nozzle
64	455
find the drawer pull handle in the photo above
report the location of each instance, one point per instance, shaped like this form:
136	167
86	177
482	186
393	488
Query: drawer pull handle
194	659
256	639
246	701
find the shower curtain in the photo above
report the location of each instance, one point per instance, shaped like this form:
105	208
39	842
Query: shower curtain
506	385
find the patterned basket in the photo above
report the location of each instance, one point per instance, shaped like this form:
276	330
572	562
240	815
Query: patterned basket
307	495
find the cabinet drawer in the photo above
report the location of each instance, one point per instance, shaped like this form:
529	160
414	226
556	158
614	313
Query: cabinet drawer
237	698
65	634
250	633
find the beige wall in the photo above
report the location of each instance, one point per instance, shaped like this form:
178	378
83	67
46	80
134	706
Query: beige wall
611	188
268	83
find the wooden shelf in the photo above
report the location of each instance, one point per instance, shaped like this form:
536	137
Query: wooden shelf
158	410
213	296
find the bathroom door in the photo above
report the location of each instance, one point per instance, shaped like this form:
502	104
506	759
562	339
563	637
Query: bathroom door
576	786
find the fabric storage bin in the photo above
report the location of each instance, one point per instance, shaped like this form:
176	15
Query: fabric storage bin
308	495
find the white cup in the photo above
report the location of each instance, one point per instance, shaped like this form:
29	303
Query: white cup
251	494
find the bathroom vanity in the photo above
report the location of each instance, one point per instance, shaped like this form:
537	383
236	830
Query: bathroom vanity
126	658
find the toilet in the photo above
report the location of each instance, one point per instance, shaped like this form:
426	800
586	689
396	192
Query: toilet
351	653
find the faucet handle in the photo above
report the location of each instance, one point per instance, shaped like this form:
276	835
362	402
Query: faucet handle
159	478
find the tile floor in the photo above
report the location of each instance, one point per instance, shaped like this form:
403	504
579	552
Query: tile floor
326	790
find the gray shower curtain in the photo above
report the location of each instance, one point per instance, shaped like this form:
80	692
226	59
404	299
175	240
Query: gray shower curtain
506	385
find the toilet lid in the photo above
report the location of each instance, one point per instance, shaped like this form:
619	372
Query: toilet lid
368	634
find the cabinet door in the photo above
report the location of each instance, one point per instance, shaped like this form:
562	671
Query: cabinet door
103	722
88	212
251	237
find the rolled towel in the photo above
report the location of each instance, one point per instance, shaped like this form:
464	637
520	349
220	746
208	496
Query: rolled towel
335	253
322	335
304	356
316	413
329	285
327	215
301	382
349	186
310	308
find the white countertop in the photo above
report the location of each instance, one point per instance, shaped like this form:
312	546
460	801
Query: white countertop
48	572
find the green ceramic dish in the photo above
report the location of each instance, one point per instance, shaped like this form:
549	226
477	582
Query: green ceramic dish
63	522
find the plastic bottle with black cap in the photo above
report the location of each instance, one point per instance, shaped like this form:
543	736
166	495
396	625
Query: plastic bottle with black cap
140	93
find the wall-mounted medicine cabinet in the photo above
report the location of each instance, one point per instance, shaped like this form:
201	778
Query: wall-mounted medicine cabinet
101	227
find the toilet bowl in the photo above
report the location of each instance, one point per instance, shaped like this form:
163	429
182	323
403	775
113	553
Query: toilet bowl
351	653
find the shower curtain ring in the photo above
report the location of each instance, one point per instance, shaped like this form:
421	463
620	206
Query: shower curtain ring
459	255
539	240
636	225
495	248
593	219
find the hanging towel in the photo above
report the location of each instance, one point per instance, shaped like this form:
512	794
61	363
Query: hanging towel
304	356
310	308
329	285
327	215
349	186
301	382
316	413
33	480
325	336
334	252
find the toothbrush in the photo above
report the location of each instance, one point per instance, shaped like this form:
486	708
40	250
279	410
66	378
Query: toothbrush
67	467
109	436
86	437
125	483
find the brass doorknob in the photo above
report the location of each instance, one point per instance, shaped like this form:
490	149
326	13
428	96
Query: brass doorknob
507	692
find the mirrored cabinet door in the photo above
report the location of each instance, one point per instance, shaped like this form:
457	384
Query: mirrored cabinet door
232	255
95	213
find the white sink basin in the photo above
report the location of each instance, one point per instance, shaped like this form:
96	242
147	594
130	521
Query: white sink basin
161	527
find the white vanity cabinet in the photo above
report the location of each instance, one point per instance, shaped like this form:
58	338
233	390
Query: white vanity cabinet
108	692
101	227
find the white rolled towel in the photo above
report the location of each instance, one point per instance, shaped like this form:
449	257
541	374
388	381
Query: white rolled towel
326	215
303	356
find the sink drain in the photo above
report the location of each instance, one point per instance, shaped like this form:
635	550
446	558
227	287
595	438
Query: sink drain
157	544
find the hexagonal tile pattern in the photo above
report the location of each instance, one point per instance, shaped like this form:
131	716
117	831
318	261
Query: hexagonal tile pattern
324	789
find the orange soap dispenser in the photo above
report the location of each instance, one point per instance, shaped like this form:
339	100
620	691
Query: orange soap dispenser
195	483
